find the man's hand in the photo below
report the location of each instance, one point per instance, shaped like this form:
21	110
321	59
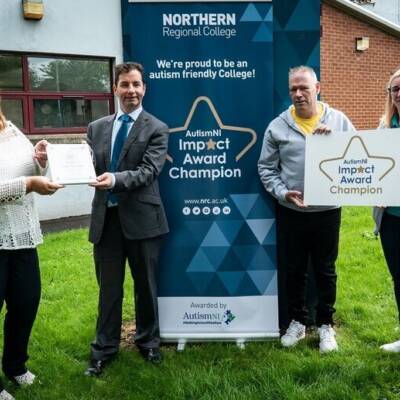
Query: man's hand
41	152
322	130
104	181
295	197
41	185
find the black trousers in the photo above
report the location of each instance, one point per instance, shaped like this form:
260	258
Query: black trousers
390	239
309	238
110	256
20	288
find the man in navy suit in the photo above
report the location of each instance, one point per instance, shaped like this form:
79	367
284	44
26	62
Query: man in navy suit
128	218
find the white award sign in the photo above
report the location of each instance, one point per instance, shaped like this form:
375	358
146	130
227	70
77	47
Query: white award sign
71	164
353	168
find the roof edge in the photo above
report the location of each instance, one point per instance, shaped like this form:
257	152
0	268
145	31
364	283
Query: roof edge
366	16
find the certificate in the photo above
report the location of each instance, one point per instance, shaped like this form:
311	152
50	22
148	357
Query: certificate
71	164
353	168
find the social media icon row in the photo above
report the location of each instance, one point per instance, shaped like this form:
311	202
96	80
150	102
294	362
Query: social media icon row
206	210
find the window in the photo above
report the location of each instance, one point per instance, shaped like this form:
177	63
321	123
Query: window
43	94
13	109
11	72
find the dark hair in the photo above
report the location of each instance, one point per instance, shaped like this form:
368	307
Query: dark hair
124	68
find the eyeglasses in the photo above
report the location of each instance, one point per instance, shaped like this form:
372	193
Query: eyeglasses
394	89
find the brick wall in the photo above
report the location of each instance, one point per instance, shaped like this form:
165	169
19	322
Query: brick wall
352	81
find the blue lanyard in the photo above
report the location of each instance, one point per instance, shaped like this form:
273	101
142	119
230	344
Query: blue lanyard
394	123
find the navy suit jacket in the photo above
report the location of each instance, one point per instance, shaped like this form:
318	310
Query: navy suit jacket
143	155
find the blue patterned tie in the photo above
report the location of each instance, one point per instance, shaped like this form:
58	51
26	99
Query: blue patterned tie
118	144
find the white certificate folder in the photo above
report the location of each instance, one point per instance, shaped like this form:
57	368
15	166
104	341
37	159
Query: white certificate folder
71	164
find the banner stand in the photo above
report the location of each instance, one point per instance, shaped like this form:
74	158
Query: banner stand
209	76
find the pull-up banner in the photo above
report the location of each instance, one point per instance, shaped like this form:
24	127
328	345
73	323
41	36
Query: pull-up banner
209	77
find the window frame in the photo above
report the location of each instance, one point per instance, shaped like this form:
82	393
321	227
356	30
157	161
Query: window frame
25	118
28	96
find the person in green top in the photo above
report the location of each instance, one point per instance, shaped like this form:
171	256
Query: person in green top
388	219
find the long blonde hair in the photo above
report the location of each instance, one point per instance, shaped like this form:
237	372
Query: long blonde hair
390	108
3	121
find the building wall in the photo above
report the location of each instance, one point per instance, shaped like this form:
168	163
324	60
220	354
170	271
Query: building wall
352	81
389	9
75	27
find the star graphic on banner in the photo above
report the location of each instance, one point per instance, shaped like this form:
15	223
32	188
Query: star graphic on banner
211	145
384	164
221	125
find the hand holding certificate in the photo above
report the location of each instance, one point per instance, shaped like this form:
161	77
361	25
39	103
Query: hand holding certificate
71	164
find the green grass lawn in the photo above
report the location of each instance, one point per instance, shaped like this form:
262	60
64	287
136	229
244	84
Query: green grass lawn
366	317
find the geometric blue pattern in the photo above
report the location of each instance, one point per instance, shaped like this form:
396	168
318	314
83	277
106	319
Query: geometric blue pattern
270	239
247	287
283	10
269	16
261	260
245	237
313	58
303	16
216	254
230	228
261	279
231	280
200	263
260	227
198	229
264	33
215	237
245	253
245	202
236	257
201	280
272	289
261	208
231	262
251	14
296	42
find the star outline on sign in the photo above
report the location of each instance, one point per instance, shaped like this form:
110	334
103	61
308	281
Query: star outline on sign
221	125
356	137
